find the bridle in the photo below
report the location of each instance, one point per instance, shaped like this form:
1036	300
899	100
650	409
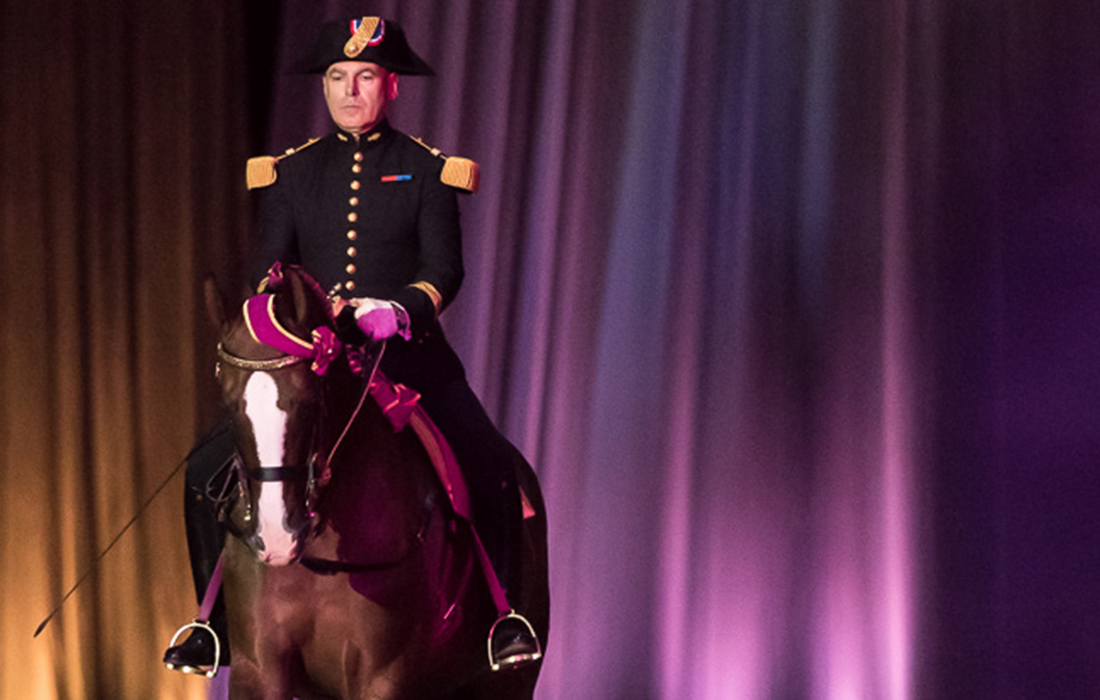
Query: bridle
287	473
283	473
314	484
273	365
322	348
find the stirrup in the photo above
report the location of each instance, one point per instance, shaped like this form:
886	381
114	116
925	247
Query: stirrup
208	671
513	660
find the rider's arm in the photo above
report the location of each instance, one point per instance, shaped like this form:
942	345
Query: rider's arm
441	271
276	239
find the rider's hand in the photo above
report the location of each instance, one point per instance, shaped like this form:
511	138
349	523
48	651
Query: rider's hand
380	319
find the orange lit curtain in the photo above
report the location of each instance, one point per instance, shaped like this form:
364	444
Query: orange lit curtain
122	142
791	304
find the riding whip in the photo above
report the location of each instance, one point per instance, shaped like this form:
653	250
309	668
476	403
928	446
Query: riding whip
95	562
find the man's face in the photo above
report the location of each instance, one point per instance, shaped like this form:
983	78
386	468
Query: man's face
357	94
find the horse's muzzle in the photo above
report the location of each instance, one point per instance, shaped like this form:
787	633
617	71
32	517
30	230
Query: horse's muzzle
273	559
277	547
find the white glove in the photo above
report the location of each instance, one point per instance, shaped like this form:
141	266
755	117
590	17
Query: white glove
380	319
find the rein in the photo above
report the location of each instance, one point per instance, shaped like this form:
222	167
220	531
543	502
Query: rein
282	362
283	473
289	473
321	350
273	474
324	347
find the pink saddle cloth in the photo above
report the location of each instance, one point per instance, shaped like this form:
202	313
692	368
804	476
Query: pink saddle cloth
401	406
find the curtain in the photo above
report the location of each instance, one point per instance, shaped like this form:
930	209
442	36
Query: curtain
791	305
122	143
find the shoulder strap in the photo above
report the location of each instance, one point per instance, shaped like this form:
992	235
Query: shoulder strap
261	171
461	173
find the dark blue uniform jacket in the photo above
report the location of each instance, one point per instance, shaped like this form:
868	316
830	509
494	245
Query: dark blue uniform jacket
372	218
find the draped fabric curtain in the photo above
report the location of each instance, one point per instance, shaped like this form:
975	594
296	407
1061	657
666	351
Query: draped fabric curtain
791	306
122	139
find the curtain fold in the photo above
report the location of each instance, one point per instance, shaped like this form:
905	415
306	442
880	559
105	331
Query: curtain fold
121	186
791	305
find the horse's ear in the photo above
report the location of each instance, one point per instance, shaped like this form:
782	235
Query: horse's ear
300	295
215	302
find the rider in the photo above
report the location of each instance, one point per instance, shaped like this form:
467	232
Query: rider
373	215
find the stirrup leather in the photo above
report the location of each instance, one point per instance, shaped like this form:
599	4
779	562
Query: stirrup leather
519	659
208	671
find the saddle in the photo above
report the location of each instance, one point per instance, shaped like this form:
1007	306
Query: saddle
400	405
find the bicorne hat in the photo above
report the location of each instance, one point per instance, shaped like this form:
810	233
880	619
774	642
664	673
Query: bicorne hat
368	39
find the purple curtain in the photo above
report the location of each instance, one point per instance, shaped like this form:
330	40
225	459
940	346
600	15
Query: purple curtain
749	286
792	306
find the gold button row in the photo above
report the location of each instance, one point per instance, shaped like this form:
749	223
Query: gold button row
352	234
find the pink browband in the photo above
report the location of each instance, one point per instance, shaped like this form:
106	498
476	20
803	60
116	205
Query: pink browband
259	315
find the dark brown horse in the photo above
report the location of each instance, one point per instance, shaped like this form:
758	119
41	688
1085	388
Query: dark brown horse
349	575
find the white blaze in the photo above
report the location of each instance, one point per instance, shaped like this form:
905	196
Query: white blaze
261	405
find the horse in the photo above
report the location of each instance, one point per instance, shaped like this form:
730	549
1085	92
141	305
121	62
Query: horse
348	573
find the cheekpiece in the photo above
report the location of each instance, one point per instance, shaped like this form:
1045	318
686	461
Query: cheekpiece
367	39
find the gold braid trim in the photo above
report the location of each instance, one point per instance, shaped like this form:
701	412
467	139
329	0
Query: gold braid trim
361	37
433	294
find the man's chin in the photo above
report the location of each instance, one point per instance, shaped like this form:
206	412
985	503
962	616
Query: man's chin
355	127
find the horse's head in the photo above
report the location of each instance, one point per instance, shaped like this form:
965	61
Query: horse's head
272	359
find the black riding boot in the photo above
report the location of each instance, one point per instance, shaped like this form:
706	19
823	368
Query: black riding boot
498	513
207	472
489	463
498	516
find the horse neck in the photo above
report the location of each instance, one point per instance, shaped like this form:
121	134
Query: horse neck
378	496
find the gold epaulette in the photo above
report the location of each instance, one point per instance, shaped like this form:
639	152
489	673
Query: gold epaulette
462	173
261	169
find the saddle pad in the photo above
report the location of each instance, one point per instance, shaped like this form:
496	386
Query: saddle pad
401	406
444	461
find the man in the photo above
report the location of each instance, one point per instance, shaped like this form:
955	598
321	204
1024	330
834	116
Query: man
373	215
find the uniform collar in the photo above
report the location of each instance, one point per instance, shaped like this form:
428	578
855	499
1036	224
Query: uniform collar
371	138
